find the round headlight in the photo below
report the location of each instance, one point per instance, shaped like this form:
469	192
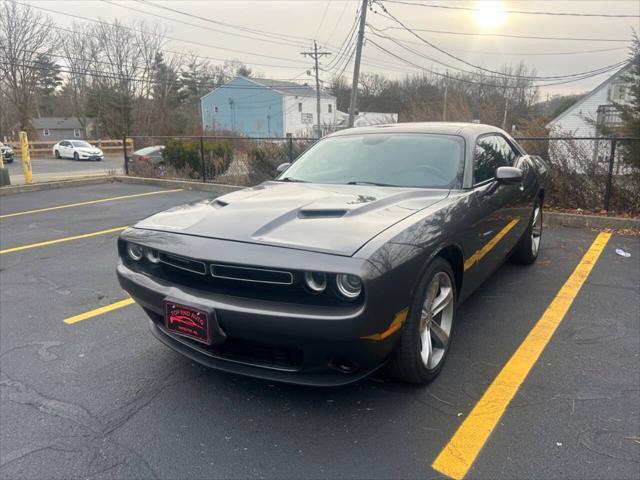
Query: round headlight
152	255
349	286
136	252
316	281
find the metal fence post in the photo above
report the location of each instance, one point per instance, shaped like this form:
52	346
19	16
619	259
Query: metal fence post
126	155
612	159
290	147
204	170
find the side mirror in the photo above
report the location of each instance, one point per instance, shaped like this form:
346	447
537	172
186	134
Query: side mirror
281	168
509	175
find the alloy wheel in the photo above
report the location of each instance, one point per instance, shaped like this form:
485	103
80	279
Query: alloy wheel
436	320
536	230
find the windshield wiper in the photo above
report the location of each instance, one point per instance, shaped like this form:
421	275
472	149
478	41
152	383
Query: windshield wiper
291	179
377	184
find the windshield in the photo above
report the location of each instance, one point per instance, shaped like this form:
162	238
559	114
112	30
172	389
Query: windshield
81	144
398	159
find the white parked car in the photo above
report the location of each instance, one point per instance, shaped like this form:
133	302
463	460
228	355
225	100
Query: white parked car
77	149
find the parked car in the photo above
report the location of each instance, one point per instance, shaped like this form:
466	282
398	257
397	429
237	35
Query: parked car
77	149
355	257
7	153
152	155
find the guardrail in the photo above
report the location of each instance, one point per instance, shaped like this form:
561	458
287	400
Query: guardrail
43	148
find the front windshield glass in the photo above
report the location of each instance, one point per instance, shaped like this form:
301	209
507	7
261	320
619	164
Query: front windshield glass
81	144
396	159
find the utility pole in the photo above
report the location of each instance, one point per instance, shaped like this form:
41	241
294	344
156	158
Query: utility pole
356	67
316	55
444	106
506	109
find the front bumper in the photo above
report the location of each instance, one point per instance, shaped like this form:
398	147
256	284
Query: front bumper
85	156
278	341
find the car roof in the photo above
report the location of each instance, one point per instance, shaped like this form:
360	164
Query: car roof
443	128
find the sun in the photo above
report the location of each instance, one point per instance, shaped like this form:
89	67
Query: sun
489	13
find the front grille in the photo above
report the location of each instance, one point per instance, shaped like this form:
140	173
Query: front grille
183	263
245	351
251	274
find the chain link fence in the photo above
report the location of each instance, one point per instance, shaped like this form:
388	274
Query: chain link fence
594	174
230	160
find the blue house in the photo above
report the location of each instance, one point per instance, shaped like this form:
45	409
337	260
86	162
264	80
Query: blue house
258	107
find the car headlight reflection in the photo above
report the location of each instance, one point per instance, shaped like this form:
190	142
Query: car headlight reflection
349	286
135	252
316	281
152	255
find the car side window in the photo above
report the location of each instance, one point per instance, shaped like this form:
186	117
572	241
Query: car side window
491	152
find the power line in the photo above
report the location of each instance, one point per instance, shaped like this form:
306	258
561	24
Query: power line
101	22
509	35
461	60
324	15
524	77
518	54
473	82
517	12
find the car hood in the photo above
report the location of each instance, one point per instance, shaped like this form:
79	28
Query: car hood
336	219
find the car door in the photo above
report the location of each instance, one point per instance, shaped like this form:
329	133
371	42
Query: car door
65	150
503	216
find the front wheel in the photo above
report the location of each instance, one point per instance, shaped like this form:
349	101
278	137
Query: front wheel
527	249
426	336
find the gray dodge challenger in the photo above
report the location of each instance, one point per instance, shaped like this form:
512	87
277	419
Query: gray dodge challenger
355	257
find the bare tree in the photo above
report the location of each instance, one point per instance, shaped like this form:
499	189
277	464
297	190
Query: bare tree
25	43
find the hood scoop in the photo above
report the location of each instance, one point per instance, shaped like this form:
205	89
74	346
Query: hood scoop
324	213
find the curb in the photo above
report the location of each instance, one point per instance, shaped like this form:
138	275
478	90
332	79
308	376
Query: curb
36	187
590	221
217	188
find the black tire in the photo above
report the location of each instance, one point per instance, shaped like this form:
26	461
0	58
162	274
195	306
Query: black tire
57	155
76	156
406	362
526	251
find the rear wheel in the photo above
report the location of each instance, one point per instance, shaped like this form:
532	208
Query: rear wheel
426	336
526	251
57	154
76	156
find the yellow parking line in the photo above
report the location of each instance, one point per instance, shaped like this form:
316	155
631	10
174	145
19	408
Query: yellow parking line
61	240
99	311
477	256
457	457
90	202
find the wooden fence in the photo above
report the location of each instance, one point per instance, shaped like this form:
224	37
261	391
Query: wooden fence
40	149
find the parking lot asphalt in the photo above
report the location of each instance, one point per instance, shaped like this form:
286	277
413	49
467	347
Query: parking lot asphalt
101	398
49	169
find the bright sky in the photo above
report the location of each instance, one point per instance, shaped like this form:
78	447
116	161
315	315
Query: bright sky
293	24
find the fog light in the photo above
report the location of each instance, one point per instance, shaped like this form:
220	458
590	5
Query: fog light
152	255
315	281
136	252
349	286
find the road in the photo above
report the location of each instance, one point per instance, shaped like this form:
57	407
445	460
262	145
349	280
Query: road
100	398
48	169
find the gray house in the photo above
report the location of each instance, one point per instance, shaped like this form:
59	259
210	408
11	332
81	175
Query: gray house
62	128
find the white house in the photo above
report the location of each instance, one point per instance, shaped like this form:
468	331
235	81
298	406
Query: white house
584	119
259	107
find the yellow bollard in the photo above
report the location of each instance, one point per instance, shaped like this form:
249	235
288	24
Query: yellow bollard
26	158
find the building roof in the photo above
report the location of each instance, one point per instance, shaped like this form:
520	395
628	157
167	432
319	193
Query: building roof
281	86
289	88
588	96
53	123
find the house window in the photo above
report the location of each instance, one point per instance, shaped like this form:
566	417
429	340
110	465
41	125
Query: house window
45	132
618	92
330	108
76	132
215	109
300	106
